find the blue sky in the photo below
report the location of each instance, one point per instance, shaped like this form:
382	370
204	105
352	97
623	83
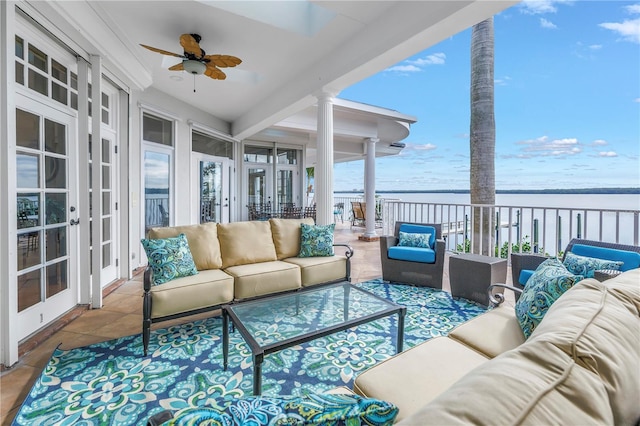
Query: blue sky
567	103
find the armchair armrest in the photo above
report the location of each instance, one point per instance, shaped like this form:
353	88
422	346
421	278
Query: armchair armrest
520	261
497	298
348	253
148	275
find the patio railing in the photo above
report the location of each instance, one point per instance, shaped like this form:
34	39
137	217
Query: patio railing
544	230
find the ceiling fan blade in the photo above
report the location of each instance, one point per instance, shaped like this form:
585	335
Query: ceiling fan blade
213	72
164	52
223	61
176	67
190	45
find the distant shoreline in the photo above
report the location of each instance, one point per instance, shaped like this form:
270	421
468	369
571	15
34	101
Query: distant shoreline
625	191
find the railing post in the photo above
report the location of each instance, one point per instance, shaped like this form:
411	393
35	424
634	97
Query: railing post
579	225
559	234
535	235
518	226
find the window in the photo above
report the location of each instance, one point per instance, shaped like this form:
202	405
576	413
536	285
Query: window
287	156
156	129
258	154
206	144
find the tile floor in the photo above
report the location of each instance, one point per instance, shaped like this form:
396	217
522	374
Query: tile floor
122	316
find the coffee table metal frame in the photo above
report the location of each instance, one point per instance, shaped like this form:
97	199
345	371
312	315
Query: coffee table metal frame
258	351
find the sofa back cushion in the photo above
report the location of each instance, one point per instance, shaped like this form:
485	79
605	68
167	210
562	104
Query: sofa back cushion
286	236
630	259
203	243
242	243
598	326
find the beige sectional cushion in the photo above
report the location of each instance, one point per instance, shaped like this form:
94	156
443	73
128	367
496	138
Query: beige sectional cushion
603	336
318	270
242	243
491	333
286	236
257	279
203	242
419	374
209	288
535	384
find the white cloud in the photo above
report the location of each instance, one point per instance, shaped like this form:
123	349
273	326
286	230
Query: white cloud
544	23
502	81
535	7
545	147
636	100
608	154
424	147
419	64
599	142
633	9
595	47
628	30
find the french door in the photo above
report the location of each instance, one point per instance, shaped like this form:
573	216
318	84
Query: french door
210	182
47	223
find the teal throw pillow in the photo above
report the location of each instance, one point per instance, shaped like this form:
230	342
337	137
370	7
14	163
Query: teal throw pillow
587	266
169	258
316	240
311	409
409	239
548	282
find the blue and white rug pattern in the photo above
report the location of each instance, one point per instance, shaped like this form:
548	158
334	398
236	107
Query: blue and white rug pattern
112	383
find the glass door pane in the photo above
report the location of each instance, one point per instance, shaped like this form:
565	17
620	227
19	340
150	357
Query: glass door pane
210	191
156	189
285	189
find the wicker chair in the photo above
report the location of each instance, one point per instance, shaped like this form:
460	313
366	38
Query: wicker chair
409	272
528	261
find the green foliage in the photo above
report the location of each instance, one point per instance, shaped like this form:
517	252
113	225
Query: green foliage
523	247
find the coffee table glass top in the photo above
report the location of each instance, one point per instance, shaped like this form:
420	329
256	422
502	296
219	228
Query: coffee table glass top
292	315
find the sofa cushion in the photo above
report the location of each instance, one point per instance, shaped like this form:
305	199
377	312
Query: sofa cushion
409	239
492	333
534	384
417	375
257	279
602	336
309	409
242	243
412	254
169	258
203	242
524	276
286	236
317	270
316	240
630	259
587	266
420	229
550	280
209	288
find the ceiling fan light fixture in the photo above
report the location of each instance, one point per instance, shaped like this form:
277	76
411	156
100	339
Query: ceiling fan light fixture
193	67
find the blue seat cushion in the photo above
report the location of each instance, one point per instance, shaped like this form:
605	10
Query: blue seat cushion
420	229
525	274
630	259
412	254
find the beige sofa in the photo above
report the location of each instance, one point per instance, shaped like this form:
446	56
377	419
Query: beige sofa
580	366
236	261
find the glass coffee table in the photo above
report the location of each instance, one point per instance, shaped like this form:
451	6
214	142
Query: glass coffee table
273	323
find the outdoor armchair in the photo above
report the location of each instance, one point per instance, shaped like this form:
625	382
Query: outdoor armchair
420	266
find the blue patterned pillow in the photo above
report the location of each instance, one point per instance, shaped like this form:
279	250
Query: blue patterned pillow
316	240
409	239
586	266
312	409
549	281
169	258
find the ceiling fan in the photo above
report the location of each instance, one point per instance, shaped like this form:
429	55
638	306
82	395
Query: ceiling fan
195	60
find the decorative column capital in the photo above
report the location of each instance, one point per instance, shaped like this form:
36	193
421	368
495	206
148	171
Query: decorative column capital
326	95
372	140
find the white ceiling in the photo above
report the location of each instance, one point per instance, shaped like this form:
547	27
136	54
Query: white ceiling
290	50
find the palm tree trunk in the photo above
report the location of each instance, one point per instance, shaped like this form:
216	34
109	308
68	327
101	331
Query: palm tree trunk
482	135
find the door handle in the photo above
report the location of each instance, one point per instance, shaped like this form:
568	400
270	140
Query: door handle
74	222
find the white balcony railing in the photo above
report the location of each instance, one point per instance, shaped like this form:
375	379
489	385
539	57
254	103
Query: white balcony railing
545	230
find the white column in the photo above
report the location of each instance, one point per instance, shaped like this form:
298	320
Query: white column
96	181
370	188
323	173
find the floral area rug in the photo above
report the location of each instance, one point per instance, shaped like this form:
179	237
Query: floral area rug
112	383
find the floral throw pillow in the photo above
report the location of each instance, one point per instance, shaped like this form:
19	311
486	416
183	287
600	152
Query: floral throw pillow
316	240
311	409
409	239
549	281
587	266
169	258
